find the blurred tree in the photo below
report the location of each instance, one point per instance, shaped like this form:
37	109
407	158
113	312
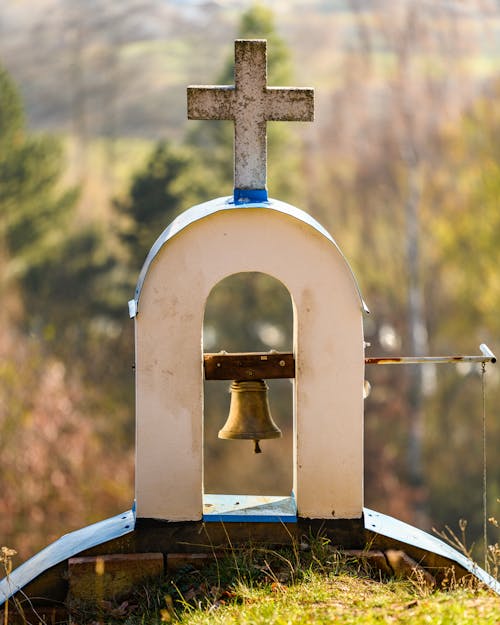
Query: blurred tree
466	229
464	256
57	271
379	178
33	211
58	265
59	472
455	204
172	180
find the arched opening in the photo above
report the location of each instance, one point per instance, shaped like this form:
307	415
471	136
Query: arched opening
248	312
169	310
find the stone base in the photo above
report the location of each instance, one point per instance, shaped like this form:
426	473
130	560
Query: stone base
96	578
149	543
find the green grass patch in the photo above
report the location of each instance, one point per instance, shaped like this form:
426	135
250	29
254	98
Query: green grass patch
317	584
354	600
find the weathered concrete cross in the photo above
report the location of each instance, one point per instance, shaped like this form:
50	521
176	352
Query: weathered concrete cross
250	103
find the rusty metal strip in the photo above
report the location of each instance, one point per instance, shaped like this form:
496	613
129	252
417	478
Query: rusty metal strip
488	356
417	360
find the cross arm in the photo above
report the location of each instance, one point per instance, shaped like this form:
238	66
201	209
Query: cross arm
210	102
289	104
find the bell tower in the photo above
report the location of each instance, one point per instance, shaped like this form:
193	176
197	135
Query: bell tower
248	232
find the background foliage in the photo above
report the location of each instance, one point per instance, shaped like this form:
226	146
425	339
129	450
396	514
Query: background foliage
402	166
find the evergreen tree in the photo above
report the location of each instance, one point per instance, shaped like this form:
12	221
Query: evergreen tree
60	269
172	180
32	211
55	282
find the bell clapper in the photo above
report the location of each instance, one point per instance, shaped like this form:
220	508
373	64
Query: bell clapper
257	449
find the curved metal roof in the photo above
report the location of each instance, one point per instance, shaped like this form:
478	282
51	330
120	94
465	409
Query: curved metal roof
200	211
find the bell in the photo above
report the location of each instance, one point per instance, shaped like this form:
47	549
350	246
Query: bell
249	415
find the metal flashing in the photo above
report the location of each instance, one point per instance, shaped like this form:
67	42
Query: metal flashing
249	509
257	509
132	308
201	211
390	527
66	547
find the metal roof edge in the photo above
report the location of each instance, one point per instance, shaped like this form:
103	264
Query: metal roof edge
98	533
390	527
200	211
66	547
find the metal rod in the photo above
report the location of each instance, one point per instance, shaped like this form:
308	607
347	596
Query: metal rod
486	351
488	356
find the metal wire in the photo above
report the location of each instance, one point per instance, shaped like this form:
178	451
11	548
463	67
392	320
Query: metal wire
485	480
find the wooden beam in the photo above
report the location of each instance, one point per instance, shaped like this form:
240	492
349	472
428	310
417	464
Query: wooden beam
249	366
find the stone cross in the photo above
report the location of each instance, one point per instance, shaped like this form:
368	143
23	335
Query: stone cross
250	103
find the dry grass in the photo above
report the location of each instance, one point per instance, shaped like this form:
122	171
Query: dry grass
312	584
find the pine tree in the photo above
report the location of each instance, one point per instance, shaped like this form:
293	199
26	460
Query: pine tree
172	180
33	212
60	269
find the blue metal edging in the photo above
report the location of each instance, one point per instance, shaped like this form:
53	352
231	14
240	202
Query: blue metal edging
403	532
225	508
249	518
66	547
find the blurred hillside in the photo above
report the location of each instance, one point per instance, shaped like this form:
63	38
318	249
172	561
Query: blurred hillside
115	71
105	69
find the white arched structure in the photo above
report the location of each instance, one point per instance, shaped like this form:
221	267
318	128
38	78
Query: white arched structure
201	247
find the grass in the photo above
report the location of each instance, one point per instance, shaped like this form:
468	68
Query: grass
315	584
353	600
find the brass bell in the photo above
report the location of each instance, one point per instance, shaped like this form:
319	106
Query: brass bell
249	414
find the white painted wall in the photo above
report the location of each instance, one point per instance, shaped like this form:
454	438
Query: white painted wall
328	345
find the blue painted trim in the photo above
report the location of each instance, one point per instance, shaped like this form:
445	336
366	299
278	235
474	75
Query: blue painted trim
249	196
249	518
249	508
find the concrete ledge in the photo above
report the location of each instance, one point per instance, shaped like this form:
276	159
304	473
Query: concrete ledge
95	578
